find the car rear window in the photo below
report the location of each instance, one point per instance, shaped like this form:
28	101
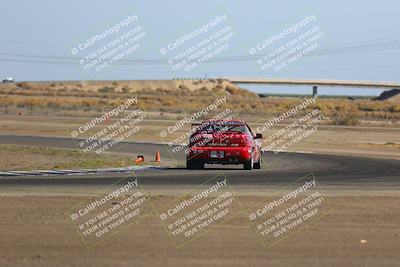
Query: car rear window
221	127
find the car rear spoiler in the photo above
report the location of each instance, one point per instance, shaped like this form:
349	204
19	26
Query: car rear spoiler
195	125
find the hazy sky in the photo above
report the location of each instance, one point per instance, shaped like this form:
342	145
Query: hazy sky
361	38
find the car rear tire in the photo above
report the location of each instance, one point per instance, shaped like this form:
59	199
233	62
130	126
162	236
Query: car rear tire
194	164
257	165
200	165
190	164
248	165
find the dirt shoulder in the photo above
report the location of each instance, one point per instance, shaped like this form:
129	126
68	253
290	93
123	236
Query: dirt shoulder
36	232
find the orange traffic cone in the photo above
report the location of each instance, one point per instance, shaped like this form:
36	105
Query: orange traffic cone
139	160
158	157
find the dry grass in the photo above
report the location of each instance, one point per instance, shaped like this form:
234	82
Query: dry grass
178	97
17	157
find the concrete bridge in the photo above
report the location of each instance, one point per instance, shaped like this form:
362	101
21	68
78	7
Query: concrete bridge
315	83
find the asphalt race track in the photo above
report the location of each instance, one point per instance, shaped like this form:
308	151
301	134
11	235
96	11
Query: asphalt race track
330	170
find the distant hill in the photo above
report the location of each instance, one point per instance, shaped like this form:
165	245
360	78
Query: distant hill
206	86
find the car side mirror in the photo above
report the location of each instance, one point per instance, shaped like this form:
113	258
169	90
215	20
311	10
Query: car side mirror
258	136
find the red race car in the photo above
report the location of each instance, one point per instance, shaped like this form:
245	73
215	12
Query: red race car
223	142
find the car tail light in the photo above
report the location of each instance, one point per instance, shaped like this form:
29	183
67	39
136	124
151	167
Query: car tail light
236	140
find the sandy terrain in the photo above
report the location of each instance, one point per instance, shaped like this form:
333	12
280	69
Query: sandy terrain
133	85
35	231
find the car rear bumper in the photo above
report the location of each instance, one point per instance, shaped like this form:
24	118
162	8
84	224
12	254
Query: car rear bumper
231	155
